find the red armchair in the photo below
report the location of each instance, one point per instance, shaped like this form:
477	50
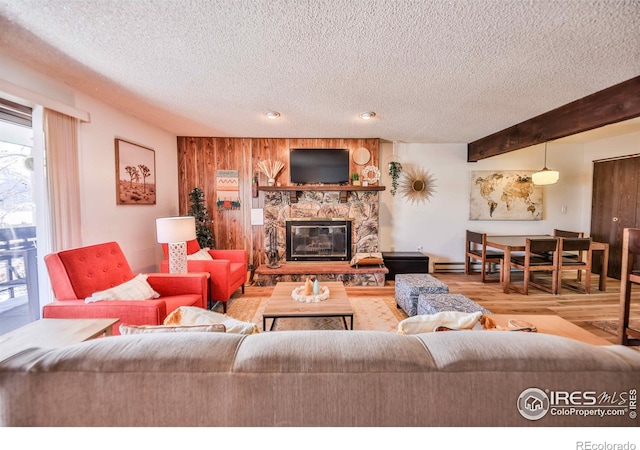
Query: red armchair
78	273
228	270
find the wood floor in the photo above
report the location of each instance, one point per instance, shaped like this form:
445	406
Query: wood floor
574	306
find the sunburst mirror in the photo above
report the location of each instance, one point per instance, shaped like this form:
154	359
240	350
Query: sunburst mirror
417	185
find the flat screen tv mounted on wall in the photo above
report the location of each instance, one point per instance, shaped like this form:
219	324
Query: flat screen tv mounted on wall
319	165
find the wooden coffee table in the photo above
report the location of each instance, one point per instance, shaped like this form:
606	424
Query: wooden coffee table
281	305
53	333
550	324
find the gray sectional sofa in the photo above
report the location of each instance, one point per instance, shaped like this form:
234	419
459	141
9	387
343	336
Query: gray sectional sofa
322	378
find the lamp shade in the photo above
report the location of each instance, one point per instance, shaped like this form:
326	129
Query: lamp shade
545	177
175	229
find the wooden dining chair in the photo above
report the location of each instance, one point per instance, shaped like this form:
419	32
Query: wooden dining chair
575	246
630	275
476	249
567	254
540	255
567	234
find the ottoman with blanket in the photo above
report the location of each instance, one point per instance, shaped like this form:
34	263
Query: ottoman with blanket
410	286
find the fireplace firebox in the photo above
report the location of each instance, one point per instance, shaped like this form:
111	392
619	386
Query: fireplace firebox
318	239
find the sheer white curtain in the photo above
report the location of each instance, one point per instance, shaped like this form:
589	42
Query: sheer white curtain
61	144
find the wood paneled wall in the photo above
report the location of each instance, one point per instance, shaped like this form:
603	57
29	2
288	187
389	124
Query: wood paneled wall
200	157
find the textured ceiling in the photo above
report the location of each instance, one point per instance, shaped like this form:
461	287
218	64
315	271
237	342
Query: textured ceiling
433	70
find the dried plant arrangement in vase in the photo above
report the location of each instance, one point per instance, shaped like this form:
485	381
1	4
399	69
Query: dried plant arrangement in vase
271	169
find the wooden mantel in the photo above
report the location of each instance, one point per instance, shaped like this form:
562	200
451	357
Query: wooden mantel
344	190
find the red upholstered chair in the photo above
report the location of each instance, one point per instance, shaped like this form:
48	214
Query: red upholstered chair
78	273
228	270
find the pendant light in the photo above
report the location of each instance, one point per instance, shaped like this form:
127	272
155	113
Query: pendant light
545	176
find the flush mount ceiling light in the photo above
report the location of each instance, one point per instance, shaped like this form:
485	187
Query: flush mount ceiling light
545	176
272	114
367	115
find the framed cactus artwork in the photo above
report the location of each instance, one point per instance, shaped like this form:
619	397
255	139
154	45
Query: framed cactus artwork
135	174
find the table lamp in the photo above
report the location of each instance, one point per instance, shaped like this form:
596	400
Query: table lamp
176	231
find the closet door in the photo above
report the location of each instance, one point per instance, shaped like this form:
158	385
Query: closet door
615	206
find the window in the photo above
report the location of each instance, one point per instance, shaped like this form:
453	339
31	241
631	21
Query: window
19	296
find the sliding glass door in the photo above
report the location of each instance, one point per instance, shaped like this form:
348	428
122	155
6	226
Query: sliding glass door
19	296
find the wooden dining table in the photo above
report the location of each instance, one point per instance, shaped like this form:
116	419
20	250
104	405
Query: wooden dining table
517	243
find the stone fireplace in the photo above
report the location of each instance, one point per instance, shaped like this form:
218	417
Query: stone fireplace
321	239
360	213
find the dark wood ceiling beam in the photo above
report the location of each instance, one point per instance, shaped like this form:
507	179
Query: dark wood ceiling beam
611	105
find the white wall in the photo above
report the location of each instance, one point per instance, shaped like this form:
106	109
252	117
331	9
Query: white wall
439	225
132	226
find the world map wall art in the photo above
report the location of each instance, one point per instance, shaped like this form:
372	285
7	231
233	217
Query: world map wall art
504	195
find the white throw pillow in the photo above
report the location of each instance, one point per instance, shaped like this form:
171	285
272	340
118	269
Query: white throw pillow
200	255
135	289
146	329
238	327
427	323
192	315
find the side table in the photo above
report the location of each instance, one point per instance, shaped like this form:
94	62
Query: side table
404	262
53	333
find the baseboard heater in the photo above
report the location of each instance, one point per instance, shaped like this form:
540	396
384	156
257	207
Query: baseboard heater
457	267
448	267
